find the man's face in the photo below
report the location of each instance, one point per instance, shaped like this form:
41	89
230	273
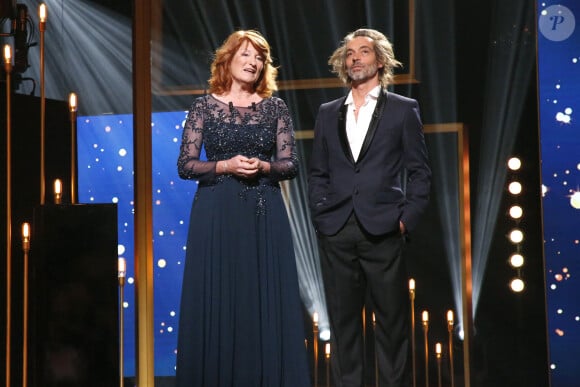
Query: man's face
361	61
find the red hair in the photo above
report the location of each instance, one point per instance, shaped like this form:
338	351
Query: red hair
220	81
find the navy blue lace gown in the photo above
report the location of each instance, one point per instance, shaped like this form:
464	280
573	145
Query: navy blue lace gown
241	321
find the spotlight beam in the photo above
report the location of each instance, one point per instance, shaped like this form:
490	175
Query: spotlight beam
512	65
305	245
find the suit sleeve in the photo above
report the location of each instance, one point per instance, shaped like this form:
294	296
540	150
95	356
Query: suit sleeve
318	176
418	172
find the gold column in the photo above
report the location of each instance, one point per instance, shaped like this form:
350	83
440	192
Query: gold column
466	269
142	144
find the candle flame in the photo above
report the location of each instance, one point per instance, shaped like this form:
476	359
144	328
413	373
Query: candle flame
42	12
57	187
72	101
7	53
122	268
25	231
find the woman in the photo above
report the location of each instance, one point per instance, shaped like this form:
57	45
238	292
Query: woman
241	321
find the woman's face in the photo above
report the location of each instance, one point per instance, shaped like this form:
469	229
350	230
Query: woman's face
247	65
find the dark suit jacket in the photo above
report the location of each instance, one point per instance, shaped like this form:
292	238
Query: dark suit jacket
389	182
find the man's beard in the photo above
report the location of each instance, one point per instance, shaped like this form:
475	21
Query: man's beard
367	72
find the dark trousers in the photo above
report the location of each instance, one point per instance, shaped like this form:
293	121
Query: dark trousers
354	264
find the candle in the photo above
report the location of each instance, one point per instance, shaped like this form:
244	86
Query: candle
425	316
411	284
26	231
25	237
122	267
72	102
42	13
315	318
438	349
57	187
450	317
7	53
57	191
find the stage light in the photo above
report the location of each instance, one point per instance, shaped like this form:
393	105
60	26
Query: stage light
516	212
514	163
324	335
516	236
515	188
575	200
501	113
517	285
516	260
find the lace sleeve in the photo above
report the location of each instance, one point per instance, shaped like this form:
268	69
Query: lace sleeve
189	166
284	165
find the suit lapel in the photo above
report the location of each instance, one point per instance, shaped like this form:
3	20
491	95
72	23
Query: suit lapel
342	131
377	114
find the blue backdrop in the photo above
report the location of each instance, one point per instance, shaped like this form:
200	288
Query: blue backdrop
105	162
559	105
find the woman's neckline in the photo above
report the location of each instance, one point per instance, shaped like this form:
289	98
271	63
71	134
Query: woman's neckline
251	105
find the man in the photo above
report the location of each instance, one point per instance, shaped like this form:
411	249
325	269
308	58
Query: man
369	182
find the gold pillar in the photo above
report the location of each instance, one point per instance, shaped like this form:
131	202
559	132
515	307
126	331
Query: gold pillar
465	235
142	144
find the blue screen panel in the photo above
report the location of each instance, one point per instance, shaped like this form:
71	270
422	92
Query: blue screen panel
105	163
559	106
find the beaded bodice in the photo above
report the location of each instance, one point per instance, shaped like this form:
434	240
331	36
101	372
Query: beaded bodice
262	130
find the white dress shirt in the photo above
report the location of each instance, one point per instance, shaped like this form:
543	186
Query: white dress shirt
356	128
